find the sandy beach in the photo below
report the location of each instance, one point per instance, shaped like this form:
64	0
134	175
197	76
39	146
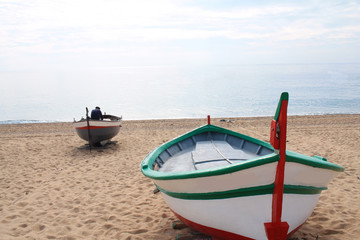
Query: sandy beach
50	188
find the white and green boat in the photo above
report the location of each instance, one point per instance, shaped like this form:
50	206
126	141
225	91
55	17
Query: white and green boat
232	186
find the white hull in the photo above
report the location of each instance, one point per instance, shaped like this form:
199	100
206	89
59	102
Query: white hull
244	216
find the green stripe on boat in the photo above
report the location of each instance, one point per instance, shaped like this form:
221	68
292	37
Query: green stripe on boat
294	189
312	161
245	192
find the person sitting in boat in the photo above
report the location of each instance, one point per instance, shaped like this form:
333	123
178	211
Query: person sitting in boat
96	114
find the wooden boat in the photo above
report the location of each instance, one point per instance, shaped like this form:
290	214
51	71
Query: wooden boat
100	131
232	186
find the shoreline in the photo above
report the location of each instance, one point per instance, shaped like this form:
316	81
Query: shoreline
7	122
51	189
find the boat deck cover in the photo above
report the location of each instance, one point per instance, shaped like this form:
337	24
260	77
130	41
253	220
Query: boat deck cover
209	154
205	155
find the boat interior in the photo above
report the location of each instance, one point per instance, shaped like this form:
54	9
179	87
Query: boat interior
207	150
112	117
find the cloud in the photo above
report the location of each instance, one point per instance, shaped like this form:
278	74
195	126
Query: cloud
71	27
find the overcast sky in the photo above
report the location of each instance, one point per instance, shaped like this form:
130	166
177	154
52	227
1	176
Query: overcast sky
102	34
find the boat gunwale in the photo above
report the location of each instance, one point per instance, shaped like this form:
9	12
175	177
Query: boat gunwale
147	163
96	120
82	124
107	119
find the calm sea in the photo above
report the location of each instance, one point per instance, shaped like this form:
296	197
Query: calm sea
158	92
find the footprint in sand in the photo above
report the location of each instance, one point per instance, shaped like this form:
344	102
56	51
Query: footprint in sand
139	231
108	226
39	227
23	225
21	204
148	219
90	221
12	217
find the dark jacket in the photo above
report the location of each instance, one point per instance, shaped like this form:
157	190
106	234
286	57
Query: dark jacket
96	114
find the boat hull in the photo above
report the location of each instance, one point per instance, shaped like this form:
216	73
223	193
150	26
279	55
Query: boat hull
241	217
99	130
238	204
234	201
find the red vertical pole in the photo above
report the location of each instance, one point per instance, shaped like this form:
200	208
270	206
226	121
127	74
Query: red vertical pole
280	171
208	119
276	229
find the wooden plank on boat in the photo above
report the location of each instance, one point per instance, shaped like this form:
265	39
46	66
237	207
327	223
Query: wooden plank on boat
179	225
199	236
209	154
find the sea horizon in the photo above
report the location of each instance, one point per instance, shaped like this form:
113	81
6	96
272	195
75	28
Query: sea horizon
160	119
180	92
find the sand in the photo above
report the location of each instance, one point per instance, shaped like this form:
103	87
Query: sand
51	189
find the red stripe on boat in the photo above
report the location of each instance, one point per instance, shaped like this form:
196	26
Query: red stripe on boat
216	233
96	127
